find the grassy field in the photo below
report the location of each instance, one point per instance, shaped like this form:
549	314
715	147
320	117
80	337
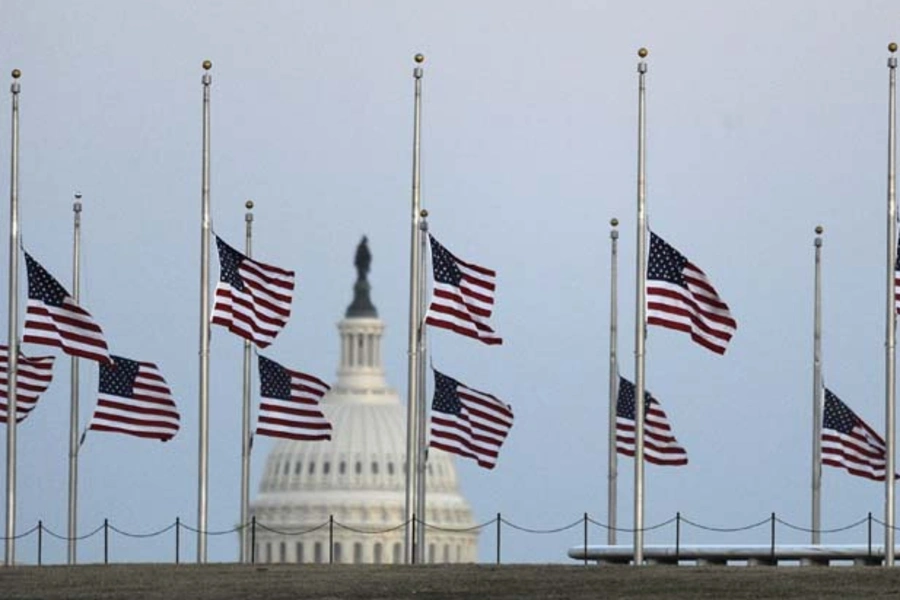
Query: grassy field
432	582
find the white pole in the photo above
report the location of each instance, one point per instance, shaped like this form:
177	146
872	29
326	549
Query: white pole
245	413
72	556
412	438
818	395
203	438
13	330
890	345
613	459
640	325
421	507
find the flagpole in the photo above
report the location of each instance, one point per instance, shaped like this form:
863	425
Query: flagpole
414	323
422	430
612	489
73	409
246	436
13	329
817	396
891	329
640	321
203	438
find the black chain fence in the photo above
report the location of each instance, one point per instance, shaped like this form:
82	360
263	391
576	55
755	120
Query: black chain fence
584	523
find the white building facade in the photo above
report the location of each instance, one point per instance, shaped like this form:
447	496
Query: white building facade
343	500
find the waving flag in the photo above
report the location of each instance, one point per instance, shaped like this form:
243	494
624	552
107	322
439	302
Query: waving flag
463	296
660	446
290	404
52	318
849	443
34	375
468	422
253	299
679	296
135	399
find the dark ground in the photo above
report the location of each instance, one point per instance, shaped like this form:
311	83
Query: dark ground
432	582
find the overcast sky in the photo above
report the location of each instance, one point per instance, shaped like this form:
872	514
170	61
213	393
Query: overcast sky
765	119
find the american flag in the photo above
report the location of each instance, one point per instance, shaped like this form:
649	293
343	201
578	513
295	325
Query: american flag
34	376
290	404
679	296
849	443
253	299
135	399
660	446
52	318
463	296
468	422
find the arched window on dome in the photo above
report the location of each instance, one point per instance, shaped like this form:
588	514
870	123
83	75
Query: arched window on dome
431	553
397	553
298	468
299	552
390	468
376	553
374	468
268	552
357	553
342	468
358	468
326	467
338	552
446	553
312	468
317	552
287	468
282	552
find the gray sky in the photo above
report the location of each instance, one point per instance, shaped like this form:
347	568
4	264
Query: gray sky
764	120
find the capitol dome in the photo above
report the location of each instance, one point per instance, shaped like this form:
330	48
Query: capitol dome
357	479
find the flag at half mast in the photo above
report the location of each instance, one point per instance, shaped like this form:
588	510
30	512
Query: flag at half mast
463	296
290	404
681	297
660	446
134	399
34	377
849	443
53	318
253	299
468	422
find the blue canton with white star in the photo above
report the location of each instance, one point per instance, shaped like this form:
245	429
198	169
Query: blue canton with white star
42	286
625	401
837	415
229	262
274	380
665	262
446	400
444	265
117	379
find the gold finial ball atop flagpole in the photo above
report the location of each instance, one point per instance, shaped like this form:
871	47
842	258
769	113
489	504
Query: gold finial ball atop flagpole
819	229
614	222
16	73
643	52
892	47
423	213
419	58
249	204
207	65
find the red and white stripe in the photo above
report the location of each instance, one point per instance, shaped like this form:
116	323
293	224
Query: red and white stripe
68	327
478	431
149	413
300	417
34	377
660	445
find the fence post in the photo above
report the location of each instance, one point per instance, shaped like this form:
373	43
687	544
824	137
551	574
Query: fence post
330	539
677	537
40	541
498	537
870	533
414	537
253	540
105	541
177	540
585	538
773	537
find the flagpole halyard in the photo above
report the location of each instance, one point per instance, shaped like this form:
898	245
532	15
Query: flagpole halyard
412	438
891	325
818	396
13	327
72	545
203	437
245	410
640	326
613	464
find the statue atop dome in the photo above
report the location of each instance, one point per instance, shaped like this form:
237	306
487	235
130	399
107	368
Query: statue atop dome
362	306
